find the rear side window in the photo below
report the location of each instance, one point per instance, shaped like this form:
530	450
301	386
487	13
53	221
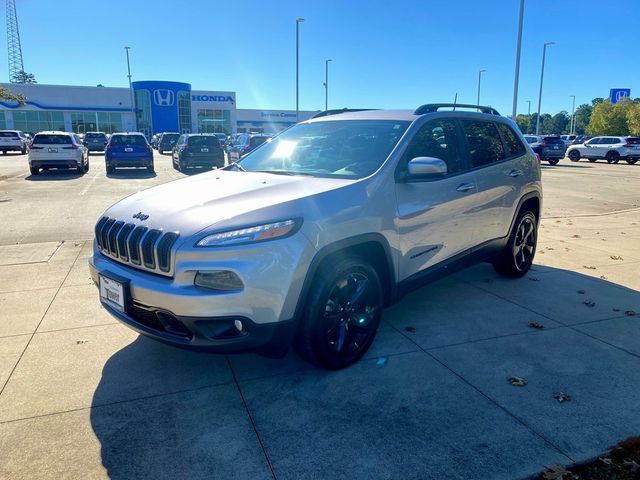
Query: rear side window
41	139
512	142
438	139
8	135
255	141
209	142
485	144
633	140
119	140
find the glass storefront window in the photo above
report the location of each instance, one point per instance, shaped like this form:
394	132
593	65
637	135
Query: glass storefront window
143	111
36	121
184	112
107	122
214	121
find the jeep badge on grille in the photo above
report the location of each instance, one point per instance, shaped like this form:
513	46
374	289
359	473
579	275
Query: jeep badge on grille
141	216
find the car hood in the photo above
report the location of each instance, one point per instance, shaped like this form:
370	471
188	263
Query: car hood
194	203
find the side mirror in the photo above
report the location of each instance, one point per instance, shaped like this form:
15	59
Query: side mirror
426	167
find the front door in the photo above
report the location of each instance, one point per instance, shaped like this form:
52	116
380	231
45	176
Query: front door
434	214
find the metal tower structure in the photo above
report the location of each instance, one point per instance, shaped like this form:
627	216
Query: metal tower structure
13	42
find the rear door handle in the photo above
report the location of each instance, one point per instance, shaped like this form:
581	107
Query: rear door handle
515	173
465	187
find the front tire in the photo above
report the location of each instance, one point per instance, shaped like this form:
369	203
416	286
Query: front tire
553	161
517	257
34	170
593	160
574	155
632	161
110	169
342	314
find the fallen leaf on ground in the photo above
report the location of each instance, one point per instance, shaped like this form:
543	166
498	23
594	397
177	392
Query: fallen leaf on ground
79	342
589	303
555	472
382	361
632	464
410	329
630	313
517	381
606	461
603	277
581	292
534	279
616	257
562	397
589	267
616	309
536	325
549	248
575	236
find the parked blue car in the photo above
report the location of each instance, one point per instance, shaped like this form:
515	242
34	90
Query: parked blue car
128	150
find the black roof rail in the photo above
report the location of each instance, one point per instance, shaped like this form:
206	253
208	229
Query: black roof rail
326	113
434	107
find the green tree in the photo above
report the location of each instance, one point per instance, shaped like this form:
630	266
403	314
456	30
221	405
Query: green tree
5	94
608	119
596	101
583	115
633	118
560	122
23	77
524	123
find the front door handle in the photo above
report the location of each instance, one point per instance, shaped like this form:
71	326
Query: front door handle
515	173
465	187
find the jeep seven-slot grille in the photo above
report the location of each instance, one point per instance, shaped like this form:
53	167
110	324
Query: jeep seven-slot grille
135	245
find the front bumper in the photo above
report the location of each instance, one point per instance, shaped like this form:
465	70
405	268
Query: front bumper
173	310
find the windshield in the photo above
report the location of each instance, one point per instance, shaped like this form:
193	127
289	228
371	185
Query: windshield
341	148
8	135
95	136
170	138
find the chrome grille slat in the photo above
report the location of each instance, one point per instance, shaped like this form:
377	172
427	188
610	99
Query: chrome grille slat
136	246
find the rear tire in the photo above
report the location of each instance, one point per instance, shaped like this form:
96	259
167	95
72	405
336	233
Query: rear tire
86	167
150	169
110	169
593	160
34	170
612	157
517	257
553	161
574	155
632	161
342	313
24	150
161	152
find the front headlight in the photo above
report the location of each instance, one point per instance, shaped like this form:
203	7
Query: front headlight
259	233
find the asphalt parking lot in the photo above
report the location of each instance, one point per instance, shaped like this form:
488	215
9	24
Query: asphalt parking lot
82	396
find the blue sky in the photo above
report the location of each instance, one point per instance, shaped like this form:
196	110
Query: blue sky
386	54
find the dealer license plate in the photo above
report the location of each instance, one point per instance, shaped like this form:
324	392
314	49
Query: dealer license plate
53	150
112	292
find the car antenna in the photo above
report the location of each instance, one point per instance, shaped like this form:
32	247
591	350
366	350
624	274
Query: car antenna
455	100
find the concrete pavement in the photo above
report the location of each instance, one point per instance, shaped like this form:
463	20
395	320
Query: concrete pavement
82	396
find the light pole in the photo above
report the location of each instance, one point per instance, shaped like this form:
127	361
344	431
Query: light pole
479	77
135	119
544	54
326	84
573	116
529	108
517	75
298	22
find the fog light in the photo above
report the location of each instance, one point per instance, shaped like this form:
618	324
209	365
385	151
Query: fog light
224	280
238	325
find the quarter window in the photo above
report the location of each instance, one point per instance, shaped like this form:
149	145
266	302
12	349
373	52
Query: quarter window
511	140
485	144
438	139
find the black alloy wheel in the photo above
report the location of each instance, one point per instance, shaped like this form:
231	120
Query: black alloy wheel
517	257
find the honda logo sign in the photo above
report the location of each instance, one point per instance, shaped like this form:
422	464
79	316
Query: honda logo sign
163	97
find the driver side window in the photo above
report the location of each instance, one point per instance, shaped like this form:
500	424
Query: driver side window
437	139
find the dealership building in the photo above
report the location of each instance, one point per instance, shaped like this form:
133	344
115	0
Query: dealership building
149	107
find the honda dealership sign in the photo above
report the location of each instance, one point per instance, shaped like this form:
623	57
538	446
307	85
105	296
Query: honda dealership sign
617	94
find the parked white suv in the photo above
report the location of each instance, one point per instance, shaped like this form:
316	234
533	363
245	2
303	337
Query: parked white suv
612	149
58	150
309	236
13	141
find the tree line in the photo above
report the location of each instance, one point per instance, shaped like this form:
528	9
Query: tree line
598	118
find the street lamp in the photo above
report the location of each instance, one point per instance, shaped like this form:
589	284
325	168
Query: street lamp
479	77
573	116
326	83
135	119
298	22
529	108
544	54
517	75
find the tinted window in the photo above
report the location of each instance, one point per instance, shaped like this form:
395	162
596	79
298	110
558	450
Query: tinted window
531	139
119	140
95	136
633	140
8	135
552	140
41	139
203	141
485	145
593	141
255	141
437	139
512	142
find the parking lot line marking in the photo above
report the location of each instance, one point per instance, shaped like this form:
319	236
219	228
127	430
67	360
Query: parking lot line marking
91	182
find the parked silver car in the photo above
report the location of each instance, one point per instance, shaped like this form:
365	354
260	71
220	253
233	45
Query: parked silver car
58	150
612	149
307	238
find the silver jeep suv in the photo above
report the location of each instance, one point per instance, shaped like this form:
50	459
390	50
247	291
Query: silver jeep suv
308	237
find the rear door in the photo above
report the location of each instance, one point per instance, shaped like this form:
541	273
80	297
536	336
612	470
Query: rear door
129	146
501	168
435	215
53	146
10	140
